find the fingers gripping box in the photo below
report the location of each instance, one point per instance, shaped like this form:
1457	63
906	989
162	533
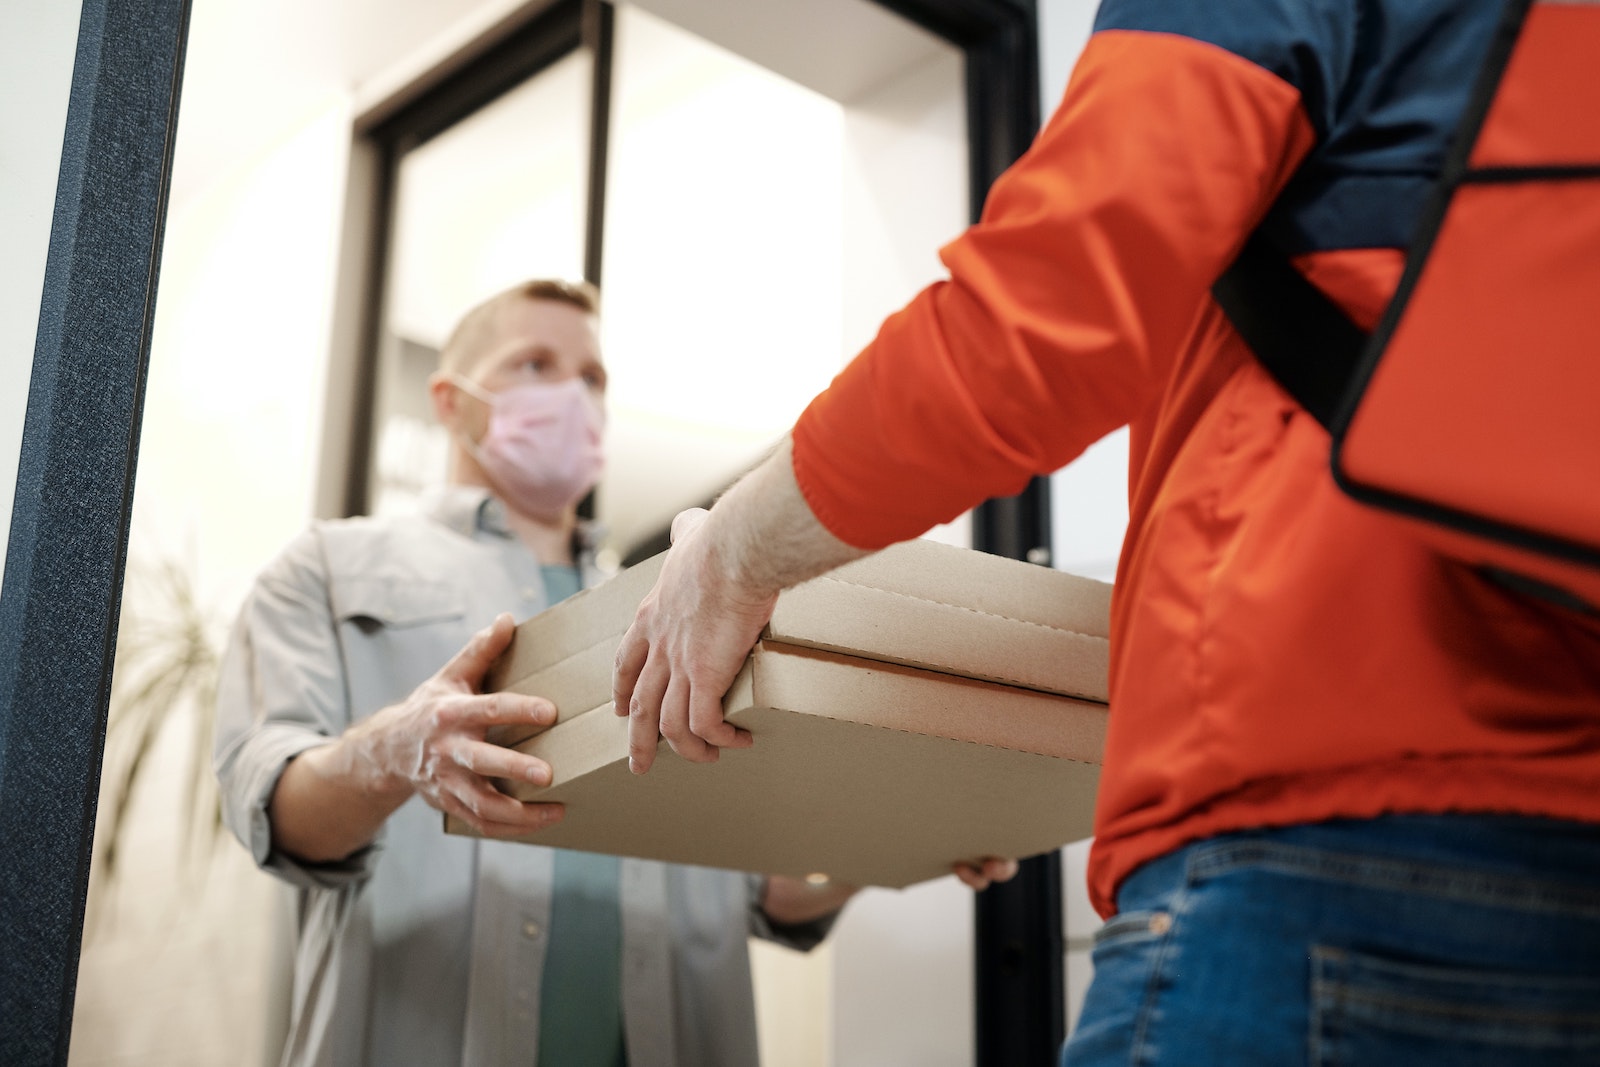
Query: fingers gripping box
922	706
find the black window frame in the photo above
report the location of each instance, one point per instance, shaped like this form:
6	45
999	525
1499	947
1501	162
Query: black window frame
556	32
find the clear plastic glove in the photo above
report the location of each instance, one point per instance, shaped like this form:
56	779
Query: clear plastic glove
333	799
432	743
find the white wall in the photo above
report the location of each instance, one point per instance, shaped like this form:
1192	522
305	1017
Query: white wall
233	409
1063	30
37	44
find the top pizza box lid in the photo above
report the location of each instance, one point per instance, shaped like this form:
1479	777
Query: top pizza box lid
918	604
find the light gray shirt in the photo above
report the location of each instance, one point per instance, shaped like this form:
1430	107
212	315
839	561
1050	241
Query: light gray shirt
424	948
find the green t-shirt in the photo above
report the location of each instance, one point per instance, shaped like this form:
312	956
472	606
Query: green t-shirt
580	1001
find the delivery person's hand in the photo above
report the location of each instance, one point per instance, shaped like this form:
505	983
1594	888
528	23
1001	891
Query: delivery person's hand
716	591
685	646
333	799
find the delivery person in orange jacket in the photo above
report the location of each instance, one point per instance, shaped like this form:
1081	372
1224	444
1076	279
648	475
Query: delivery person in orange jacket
1350	808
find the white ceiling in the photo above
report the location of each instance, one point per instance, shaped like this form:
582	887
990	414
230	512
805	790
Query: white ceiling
257	69
839	48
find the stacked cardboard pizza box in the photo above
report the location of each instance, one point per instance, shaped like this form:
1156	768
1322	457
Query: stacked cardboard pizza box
919	707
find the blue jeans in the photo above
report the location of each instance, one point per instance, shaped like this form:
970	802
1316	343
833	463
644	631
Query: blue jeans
1418	941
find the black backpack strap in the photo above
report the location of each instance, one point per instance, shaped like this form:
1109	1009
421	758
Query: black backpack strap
1303	338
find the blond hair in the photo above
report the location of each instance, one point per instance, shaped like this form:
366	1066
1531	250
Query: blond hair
478	328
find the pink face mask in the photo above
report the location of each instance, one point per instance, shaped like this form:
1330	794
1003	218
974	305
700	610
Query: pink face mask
542	451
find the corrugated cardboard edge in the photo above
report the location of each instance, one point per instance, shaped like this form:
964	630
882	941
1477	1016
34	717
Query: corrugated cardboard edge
983	583
575	625
783	677
947	638
1049	632
875	697
557	653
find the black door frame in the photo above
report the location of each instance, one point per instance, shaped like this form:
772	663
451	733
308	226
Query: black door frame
69	526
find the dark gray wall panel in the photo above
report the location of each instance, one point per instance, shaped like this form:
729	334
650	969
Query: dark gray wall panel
69	528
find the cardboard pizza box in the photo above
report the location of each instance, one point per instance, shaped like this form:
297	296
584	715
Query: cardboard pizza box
922	706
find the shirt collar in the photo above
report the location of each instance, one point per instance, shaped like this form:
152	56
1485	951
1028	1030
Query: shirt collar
470	509
466	509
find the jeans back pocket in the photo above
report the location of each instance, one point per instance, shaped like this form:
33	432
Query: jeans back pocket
1371	1011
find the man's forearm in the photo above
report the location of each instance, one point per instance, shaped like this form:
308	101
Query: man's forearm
790	902
767	534
327	805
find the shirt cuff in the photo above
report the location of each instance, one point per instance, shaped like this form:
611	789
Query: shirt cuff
802	937
258	765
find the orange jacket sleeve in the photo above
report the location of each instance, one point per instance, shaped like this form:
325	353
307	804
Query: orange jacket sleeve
1067	304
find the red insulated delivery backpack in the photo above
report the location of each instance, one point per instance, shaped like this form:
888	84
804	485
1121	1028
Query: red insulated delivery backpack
1474	408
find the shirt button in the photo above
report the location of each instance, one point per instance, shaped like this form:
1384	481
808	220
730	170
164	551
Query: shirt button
529	593
530	930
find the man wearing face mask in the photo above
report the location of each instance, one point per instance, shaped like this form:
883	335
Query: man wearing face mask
337	751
